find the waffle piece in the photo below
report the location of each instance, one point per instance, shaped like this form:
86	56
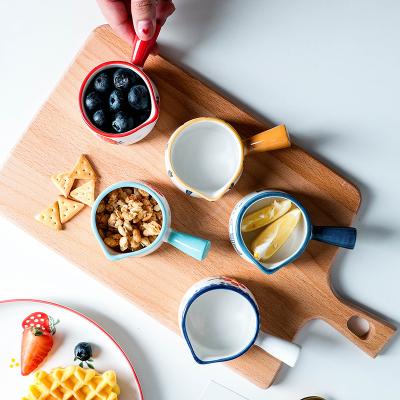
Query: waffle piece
73	383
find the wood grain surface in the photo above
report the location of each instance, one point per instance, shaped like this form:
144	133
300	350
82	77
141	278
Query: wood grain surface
288	299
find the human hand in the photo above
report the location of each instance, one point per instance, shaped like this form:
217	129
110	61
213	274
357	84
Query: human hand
129	16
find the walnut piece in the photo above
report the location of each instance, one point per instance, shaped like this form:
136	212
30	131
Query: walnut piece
152	228
129	219
123	243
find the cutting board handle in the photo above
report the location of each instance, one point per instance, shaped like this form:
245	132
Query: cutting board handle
366	330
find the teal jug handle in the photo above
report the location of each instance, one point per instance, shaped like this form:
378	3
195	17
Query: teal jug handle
193	246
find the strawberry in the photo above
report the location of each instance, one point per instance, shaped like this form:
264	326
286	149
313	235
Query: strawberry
37	340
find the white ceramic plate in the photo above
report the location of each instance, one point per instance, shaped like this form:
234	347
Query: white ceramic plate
72	329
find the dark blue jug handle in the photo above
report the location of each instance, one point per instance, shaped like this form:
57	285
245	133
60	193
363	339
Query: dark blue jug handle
335	235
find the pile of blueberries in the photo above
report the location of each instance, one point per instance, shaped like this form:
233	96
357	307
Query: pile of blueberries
117	100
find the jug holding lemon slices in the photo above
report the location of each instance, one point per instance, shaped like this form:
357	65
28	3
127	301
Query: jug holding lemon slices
272	229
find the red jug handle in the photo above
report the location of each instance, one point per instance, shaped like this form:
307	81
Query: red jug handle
142	48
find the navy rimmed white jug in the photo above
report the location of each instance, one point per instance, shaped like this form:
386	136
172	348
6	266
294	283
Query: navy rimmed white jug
220	320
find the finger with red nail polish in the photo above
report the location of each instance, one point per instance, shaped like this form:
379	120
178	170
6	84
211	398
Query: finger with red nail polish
144	18
128	16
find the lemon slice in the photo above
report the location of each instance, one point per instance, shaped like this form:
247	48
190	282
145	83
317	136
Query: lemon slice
274	236
265	215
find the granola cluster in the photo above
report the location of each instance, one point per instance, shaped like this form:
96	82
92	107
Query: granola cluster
128	218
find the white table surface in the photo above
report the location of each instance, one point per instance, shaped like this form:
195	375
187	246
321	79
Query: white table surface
330	71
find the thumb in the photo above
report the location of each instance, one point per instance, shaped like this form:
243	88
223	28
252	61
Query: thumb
144	18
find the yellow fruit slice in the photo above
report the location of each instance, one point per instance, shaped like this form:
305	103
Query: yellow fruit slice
274	236
265	215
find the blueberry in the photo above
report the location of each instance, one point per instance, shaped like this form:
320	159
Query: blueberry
138	97
99	118
131	123
144	116
123	78
83	351
122	122
102	82
93	101
116	100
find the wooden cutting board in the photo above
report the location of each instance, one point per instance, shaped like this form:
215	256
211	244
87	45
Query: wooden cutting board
287	299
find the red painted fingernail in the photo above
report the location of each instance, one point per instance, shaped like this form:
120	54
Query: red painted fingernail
145	29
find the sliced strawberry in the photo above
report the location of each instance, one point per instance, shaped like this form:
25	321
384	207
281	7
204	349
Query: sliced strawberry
37	340
34	349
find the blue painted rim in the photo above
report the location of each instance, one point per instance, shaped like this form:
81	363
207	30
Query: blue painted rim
243	246
144	251
200	293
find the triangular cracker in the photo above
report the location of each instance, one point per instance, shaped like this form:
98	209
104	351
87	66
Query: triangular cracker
84	193
83	169
68	208
63	182
50	217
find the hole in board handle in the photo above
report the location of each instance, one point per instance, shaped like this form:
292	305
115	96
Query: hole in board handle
359	326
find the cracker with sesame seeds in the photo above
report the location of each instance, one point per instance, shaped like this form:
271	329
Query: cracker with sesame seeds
68	208
84	193
83	169
50	217
63	181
